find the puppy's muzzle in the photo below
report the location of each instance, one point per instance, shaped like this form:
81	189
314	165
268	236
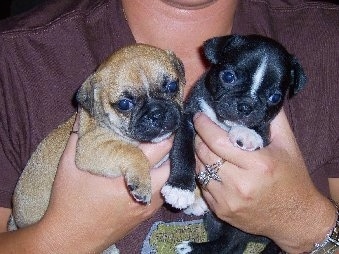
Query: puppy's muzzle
155	120
154	117
244	108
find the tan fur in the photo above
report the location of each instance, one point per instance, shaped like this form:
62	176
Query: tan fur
103	147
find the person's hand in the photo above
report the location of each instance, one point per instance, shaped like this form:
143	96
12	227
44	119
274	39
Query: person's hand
88	213
267	192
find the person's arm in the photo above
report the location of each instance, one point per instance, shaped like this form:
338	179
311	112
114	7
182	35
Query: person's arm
334	189
267	192
4	216
87	213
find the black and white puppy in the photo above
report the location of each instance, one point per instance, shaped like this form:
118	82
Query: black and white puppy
243	90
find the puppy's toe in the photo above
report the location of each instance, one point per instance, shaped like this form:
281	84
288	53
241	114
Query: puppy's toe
183	248
176	197
146	199
240	143
140	192
199	207
245	138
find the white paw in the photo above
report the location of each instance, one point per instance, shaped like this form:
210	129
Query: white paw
199	207
245	138
183	248
176	197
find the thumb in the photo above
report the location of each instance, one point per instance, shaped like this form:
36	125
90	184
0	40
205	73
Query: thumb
282	134
159	176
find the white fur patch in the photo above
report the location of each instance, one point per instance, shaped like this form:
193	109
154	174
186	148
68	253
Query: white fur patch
199	207
259	76
248	138
177	197
238	134
208	110
183	248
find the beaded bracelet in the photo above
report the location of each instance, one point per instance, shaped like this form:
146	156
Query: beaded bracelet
331	242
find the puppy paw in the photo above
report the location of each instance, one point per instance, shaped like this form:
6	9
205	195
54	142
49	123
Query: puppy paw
176	197
199	207
183	248
245	138
141	191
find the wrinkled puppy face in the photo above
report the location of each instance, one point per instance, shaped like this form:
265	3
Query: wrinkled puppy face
249	78
137	93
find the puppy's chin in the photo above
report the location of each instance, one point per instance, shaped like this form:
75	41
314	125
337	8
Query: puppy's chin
232	117
229	110
155	123
161	138
256	118
154	135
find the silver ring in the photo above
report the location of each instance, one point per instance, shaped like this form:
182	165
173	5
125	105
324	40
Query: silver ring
210	172
203	178
73	132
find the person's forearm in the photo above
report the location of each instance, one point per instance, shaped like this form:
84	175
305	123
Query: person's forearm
49	239
310	228
334	188
22	241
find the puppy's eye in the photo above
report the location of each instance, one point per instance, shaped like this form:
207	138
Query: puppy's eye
228	76
125	104
275	98
171	87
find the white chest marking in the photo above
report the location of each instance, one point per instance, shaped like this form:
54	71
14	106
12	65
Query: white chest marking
259	76
211	115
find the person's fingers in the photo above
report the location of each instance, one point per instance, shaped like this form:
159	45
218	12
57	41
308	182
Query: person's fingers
217	141
205	156
159	177
206	190
282	134
234	170
70	150
156	152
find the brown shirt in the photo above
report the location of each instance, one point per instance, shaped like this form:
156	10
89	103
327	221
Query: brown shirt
47	53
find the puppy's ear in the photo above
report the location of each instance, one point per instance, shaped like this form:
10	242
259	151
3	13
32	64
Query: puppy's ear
298	77
211	49
177	63
85	94
215	48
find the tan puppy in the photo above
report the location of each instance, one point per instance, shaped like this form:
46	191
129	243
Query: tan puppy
134	96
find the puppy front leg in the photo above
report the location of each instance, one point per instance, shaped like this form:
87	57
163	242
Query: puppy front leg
113	158
179	189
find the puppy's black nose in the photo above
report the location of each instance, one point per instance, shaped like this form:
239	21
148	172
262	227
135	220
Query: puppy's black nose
244	108
155	116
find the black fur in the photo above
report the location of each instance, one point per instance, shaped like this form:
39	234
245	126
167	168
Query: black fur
237	103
